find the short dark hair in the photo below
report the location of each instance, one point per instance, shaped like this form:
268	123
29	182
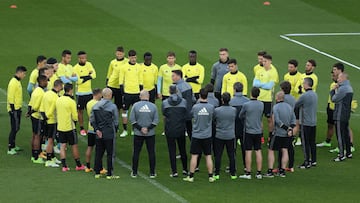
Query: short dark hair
120	48
172	89
203	93
40	58
209	87
238	87
132	52
42	70
261	53
339	66
226	97
192	52
41	78
81	53
147	54
286	87
232	61
178	72
309	81
312	61
65	52
58	82
268	56
68	87
171	53
224	49
96	91
293	62
255	92
20	69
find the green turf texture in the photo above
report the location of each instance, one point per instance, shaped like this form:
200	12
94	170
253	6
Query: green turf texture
245	27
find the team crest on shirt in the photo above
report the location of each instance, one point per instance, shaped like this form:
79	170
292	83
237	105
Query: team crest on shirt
203	112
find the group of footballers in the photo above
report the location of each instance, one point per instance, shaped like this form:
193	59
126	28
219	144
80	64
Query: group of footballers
223	113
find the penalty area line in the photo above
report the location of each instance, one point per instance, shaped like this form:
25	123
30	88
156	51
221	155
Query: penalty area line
318	51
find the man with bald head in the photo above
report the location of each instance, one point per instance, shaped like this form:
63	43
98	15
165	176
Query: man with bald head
342	95
105	120
284	122
144	118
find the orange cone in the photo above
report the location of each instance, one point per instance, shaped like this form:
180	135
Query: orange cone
266	3
13	6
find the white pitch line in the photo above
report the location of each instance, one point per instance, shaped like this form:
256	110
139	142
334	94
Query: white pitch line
320	52
322	34
153	182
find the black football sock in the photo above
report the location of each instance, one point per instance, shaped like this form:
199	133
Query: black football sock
78	163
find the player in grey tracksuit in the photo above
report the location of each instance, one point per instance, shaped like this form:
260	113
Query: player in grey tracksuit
307	104
144	118
284	122
174	110
289	99
342	97
105	120
185	90
251	114
238	101
224	117
218	70
201	140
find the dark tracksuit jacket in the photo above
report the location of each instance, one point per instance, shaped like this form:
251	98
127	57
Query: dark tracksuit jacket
105	117
175	111
186	92
219	69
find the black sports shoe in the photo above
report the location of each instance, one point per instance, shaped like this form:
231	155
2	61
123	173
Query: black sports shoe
305	166
339	159
174	175
313	163
185	172
349	156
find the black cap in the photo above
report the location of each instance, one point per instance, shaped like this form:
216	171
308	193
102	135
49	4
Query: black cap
51	61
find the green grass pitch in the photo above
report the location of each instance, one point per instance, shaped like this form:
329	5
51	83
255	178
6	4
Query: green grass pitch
245	27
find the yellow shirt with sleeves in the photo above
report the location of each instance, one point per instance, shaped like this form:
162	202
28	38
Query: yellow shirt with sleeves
89	107
114	71
65	70
293	80
190	71
230	79
303	76
51	81
14	94
85	70
165	72
131	77
331	104
35	102
33	76
266	76
258	67
48	104
150	74
66	113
